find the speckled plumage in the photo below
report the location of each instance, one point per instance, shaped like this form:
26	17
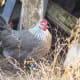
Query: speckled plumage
33	43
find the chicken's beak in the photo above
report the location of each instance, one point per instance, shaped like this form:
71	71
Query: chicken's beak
47	26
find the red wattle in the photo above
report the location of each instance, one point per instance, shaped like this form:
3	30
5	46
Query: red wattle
10	23
44	29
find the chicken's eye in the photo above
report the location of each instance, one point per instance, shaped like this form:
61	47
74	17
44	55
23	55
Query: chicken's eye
42	24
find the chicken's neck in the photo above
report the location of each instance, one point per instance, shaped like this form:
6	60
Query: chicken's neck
38	33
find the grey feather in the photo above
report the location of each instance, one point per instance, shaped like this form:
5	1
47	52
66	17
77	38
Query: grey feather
21	44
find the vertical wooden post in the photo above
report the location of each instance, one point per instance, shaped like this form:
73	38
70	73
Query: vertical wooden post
32	12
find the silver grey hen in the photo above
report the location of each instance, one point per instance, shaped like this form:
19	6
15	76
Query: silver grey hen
34	42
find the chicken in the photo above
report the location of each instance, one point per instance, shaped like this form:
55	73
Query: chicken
34	42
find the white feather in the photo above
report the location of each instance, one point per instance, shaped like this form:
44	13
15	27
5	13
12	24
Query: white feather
38	32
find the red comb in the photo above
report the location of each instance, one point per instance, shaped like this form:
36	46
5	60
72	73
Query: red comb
10	23
44	21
